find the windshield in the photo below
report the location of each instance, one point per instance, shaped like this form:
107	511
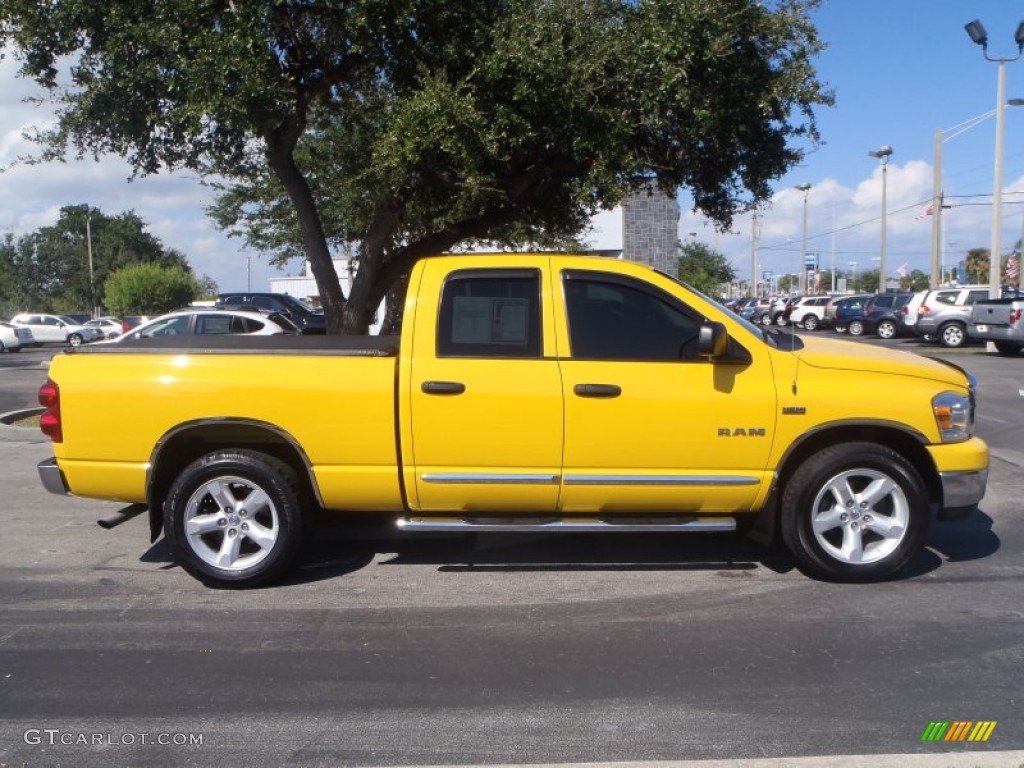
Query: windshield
754	329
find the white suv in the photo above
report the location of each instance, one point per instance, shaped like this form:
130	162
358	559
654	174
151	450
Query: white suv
809	313
48	329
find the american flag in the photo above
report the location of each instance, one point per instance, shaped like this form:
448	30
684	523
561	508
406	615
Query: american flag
1013	266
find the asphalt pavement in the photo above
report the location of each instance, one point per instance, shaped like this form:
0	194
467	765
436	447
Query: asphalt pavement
501	649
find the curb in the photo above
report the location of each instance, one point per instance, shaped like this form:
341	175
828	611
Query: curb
20	434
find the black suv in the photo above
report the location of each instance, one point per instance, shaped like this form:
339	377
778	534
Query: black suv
308	321
882	314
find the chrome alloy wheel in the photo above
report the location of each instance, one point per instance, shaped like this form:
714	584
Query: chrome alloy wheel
231	523
860	516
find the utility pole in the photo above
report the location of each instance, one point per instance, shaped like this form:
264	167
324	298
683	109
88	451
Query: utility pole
92	280
754	271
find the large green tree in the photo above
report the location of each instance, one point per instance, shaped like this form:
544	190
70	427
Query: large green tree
48	270
704	268
401	128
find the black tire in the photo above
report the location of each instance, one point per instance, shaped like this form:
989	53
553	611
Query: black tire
257	545
75	339
886	329
813	494
766	319
811	322
1008	347
952	335
855	328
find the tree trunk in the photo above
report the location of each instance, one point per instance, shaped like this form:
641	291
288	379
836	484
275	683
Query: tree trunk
279	152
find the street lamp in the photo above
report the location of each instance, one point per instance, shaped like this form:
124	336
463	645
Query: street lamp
938	205
853	276
883	153
979	36
802	272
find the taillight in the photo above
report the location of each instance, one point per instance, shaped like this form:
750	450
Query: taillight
49	422
905	310
923	309
1014	316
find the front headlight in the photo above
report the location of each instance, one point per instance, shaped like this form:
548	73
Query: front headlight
953	416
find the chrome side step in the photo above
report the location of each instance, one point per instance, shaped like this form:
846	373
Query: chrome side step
569	525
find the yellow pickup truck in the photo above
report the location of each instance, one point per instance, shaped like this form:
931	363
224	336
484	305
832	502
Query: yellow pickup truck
525	393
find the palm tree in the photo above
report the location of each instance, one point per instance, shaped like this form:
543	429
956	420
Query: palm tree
976	265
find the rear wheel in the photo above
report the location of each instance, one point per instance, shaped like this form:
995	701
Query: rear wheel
952	335
854	512
1008	347
856	328
886	329
811	322
233	518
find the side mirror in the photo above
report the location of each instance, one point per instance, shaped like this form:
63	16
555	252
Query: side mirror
713	340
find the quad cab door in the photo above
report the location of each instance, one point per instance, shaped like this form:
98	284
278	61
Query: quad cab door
484	390
650	424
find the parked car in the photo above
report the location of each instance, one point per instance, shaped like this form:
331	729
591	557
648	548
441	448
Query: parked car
305	318
945	313
778	310
809	312
881	314
193	322
49	329
1000	321
14	337
111	327
908	314
848	313
133	321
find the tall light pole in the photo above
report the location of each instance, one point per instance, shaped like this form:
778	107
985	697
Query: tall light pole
938	201
88	246
802	272
883	153
978	35
754	274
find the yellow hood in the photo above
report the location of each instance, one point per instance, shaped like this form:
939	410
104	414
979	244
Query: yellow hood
854	356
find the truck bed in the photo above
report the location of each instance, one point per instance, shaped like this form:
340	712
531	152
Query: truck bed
345	346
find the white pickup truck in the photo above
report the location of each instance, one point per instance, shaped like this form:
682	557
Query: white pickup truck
1000	321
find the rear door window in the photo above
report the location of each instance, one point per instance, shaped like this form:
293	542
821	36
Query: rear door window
490	313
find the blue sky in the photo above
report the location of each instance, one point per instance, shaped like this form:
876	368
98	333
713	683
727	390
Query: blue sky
900	70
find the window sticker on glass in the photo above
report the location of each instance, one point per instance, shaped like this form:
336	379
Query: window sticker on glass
490	320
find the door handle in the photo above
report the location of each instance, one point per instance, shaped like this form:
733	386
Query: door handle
597	390
443	387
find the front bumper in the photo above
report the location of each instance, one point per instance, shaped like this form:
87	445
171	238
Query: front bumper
961	492
53	479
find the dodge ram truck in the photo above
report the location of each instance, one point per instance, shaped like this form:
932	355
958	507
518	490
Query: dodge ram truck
525	393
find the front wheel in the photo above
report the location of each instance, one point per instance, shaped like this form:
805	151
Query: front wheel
75	340
952	335
854	512
766	319
811	322
233	518
886	329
